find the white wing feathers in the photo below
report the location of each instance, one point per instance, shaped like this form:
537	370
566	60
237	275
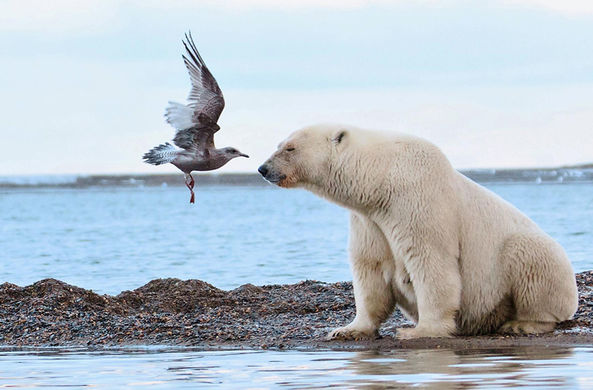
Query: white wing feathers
180	116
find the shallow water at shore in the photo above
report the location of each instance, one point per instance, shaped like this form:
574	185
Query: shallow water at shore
561	368
113	239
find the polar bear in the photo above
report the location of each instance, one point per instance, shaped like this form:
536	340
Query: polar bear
454	257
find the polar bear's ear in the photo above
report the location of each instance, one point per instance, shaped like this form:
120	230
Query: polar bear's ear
339	136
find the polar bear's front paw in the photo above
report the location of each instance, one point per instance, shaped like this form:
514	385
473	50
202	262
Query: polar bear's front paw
415	333
351	333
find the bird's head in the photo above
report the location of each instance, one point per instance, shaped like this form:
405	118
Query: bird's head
231	153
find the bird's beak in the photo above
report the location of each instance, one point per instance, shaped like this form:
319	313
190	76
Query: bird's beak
243	155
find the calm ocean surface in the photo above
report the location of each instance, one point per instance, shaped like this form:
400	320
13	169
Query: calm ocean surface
113	239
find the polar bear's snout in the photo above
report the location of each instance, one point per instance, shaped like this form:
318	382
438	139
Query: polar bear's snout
263	170
271	175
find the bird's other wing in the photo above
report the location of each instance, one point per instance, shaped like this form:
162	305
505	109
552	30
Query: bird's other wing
198	140
180	116
205	95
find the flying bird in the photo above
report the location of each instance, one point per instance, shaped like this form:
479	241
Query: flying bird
195	124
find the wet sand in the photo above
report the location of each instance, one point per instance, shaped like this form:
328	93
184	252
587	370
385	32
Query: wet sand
195	313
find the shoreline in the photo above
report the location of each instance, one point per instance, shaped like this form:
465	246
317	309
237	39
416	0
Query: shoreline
192	313
559	175
384	344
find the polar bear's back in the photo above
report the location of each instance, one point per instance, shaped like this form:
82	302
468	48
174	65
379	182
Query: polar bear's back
412	165
415	158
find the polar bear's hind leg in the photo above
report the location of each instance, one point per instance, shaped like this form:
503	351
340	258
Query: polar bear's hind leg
526	327
543	285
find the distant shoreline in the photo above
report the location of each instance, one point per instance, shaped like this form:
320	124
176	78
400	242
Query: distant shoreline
559	175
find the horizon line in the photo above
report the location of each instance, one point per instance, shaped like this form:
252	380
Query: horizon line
587	165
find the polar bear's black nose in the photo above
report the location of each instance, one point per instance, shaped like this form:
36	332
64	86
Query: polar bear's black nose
263	170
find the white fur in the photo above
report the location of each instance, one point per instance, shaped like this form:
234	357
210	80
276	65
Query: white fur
452	255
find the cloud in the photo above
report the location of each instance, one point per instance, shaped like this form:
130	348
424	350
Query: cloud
78	125
62	16
56	16
282	4
571	7
568	7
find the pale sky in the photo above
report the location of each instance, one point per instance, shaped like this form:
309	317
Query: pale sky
494	83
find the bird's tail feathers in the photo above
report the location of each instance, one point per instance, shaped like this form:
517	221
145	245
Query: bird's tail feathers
162	154
179	116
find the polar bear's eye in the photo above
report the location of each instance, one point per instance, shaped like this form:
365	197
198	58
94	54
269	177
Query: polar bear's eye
289	149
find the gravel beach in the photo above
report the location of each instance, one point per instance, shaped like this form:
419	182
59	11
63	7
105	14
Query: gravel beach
195	313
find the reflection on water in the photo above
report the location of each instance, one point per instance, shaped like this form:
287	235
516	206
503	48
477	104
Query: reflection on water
568	368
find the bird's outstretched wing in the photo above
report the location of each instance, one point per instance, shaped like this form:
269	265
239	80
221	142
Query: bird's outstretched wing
205	96
196	122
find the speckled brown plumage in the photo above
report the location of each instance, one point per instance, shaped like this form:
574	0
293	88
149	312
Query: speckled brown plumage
193	146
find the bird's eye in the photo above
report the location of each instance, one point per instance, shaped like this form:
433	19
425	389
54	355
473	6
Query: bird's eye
289	149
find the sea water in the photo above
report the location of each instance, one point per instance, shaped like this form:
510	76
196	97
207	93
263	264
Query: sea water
162	368
113	239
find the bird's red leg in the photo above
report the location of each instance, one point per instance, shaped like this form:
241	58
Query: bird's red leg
189	182
191	188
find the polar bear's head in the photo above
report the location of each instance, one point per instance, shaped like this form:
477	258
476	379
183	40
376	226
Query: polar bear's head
305	157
